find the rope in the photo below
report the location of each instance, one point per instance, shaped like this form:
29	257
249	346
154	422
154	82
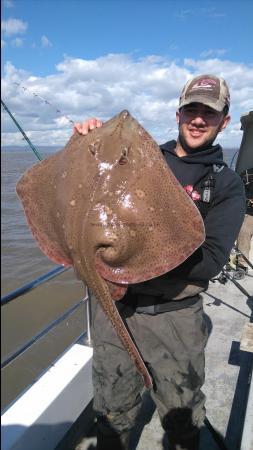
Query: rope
22	132
35	94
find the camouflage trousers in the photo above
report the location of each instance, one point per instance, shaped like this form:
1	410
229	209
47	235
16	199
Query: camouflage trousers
172	346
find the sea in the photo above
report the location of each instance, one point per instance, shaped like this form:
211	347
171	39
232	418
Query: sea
22	261
27	316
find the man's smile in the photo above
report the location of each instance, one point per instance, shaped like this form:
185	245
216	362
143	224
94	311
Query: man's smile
196	132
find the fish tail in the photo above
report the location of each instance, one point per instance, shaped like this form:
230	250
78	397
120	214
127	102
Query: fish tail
111	311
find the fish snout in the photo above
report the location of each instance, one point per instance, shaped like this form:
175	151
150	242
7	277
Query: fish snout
113	251
113	247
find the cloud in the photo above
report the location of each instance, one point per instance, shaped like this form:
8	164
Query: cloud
17	42
45	42
8	4
3	43
172	46
148	87
184	13
189	13
213	52
212	13
11	27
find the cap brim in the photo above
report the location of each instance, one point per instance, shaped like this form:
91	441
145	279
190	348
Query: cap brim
216	105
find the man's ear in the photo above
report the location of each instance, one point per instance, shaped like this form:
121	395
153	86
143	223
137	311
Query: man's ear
177	116
225	121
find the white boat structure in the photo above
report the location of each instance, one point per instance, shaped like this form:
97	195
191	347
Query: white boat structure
55	411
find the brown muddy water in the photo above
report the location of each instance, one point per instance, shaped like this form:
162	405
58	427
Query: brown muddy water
21	262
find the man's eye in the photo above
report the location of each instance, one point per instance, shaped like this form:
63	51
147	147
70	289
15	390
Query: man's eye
192	112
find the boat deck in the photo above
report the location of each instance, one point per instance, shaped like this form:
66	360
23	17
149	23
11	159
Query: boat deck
228	374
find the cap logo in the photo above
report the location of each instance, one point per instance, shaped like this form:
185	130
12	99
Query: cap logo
207	87
205	83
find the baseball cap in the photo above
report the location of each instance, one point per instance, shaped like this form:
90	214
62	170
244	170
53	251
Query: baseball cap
207	89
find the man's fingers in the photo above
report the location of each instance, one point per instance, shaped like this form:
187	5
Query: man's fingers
92	124
85	127
80	128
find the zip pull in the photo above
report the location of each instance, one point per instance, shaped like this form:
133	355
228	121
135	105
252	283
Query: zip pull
208	185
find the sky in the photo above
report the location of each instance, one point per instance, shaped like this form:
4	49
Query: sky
65	61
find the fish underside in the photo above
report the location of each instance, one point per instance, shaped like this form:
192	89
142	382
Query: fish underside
109	205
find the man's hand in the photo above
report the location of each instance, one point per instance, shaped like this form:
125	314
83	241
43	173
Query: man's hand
85	127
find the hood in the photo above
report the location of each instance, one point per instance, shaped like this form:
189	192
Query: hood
207	157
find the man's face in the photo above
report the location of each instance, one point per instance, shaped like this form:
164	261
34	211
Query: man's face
199	125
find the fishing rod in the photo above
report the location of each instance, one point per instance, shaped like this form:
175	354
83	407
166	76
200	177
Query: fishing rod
35	151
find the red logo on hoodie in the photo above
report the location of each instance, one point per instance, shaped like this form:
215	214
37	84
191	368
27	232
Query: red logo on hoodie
193	194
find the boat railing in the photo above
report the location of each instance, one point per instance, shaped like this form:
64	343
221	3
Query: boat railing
25	289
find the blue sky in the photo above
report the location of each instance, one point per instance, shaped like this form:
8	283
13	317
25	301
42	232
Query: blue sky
94	58
90	29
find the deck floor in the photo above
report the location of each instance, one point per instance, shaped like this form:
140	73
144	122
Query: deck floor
227	310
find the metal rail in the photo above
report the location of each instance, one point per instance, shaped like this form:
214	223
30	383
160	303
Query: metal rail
23	290
38	336
32	284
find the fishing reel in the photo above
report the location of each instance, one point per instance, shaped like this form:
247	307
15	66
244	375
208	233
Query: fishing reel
237	269
234	271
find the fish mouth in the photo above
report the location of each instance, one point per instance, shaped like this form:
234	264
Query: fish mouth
116	287
117	290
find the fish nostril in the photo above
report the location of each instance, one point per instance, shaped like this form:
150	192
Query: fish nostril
123	160
124	156
94	147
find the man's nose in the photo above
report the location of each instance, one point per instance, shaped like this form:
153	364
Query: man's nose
198	119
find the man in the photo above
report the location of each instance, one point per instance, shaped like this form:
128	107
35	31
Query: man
165	315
